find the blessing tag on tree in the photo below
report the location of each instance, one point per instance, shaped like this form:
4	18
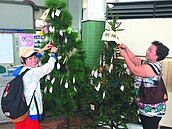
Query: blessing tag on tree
110	36
45	14
92	107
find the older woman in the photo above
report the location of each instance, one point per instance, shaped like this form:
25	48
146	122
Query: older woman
149	71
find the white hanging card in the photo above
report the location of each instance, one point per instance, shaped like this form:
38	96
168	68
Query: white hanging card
122	88
104	94
57	13
61	33
92	107
58	66
110	36
59	57
61	80
91	81
110	68
96	73
97	87
51	90
92	72
48	77
73	80
66	85
51	29
75	89
53	80
52	14
45	89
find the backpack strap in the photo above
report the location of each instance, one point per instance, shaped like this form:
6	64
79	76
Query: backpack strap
23	73
32	98
39	119
160	77
36	104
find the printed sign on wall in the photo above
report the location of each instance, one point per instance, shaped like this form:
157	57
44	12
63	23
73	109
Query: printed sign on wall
26	40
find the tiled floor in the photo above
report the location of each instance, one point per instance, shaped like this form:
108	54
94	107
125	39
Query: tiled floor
51	123
75	123
54	123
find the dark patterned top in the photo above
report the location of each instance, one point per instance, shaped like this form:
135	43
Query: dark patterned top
157	109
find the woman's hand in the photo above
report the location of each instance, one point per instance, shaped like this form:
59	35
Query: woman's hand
54	49
123	52
46	47
123	46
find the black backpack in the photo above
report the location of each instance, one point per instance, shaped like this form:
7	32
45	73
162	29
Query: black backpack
13	102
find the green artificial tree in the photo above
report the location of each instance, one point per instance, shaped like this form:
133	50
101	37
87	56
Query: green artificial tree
63	88
111	99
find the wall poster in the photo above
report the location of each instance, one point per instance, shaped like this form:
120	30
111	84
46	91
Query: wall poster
6	48
26	40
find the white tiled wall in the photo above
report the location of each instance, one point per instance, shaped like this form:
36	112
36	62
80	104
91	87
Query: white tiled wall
167	119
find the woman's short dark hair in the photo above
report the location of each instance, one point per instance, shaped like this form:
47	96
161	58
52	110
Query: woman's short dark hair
162	51
23	61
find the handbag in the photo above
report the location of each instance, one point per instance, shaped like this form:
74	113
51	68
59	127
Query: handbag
153	95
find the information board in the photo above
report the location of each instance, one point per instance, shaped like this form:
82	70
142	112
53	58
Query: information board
6	48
